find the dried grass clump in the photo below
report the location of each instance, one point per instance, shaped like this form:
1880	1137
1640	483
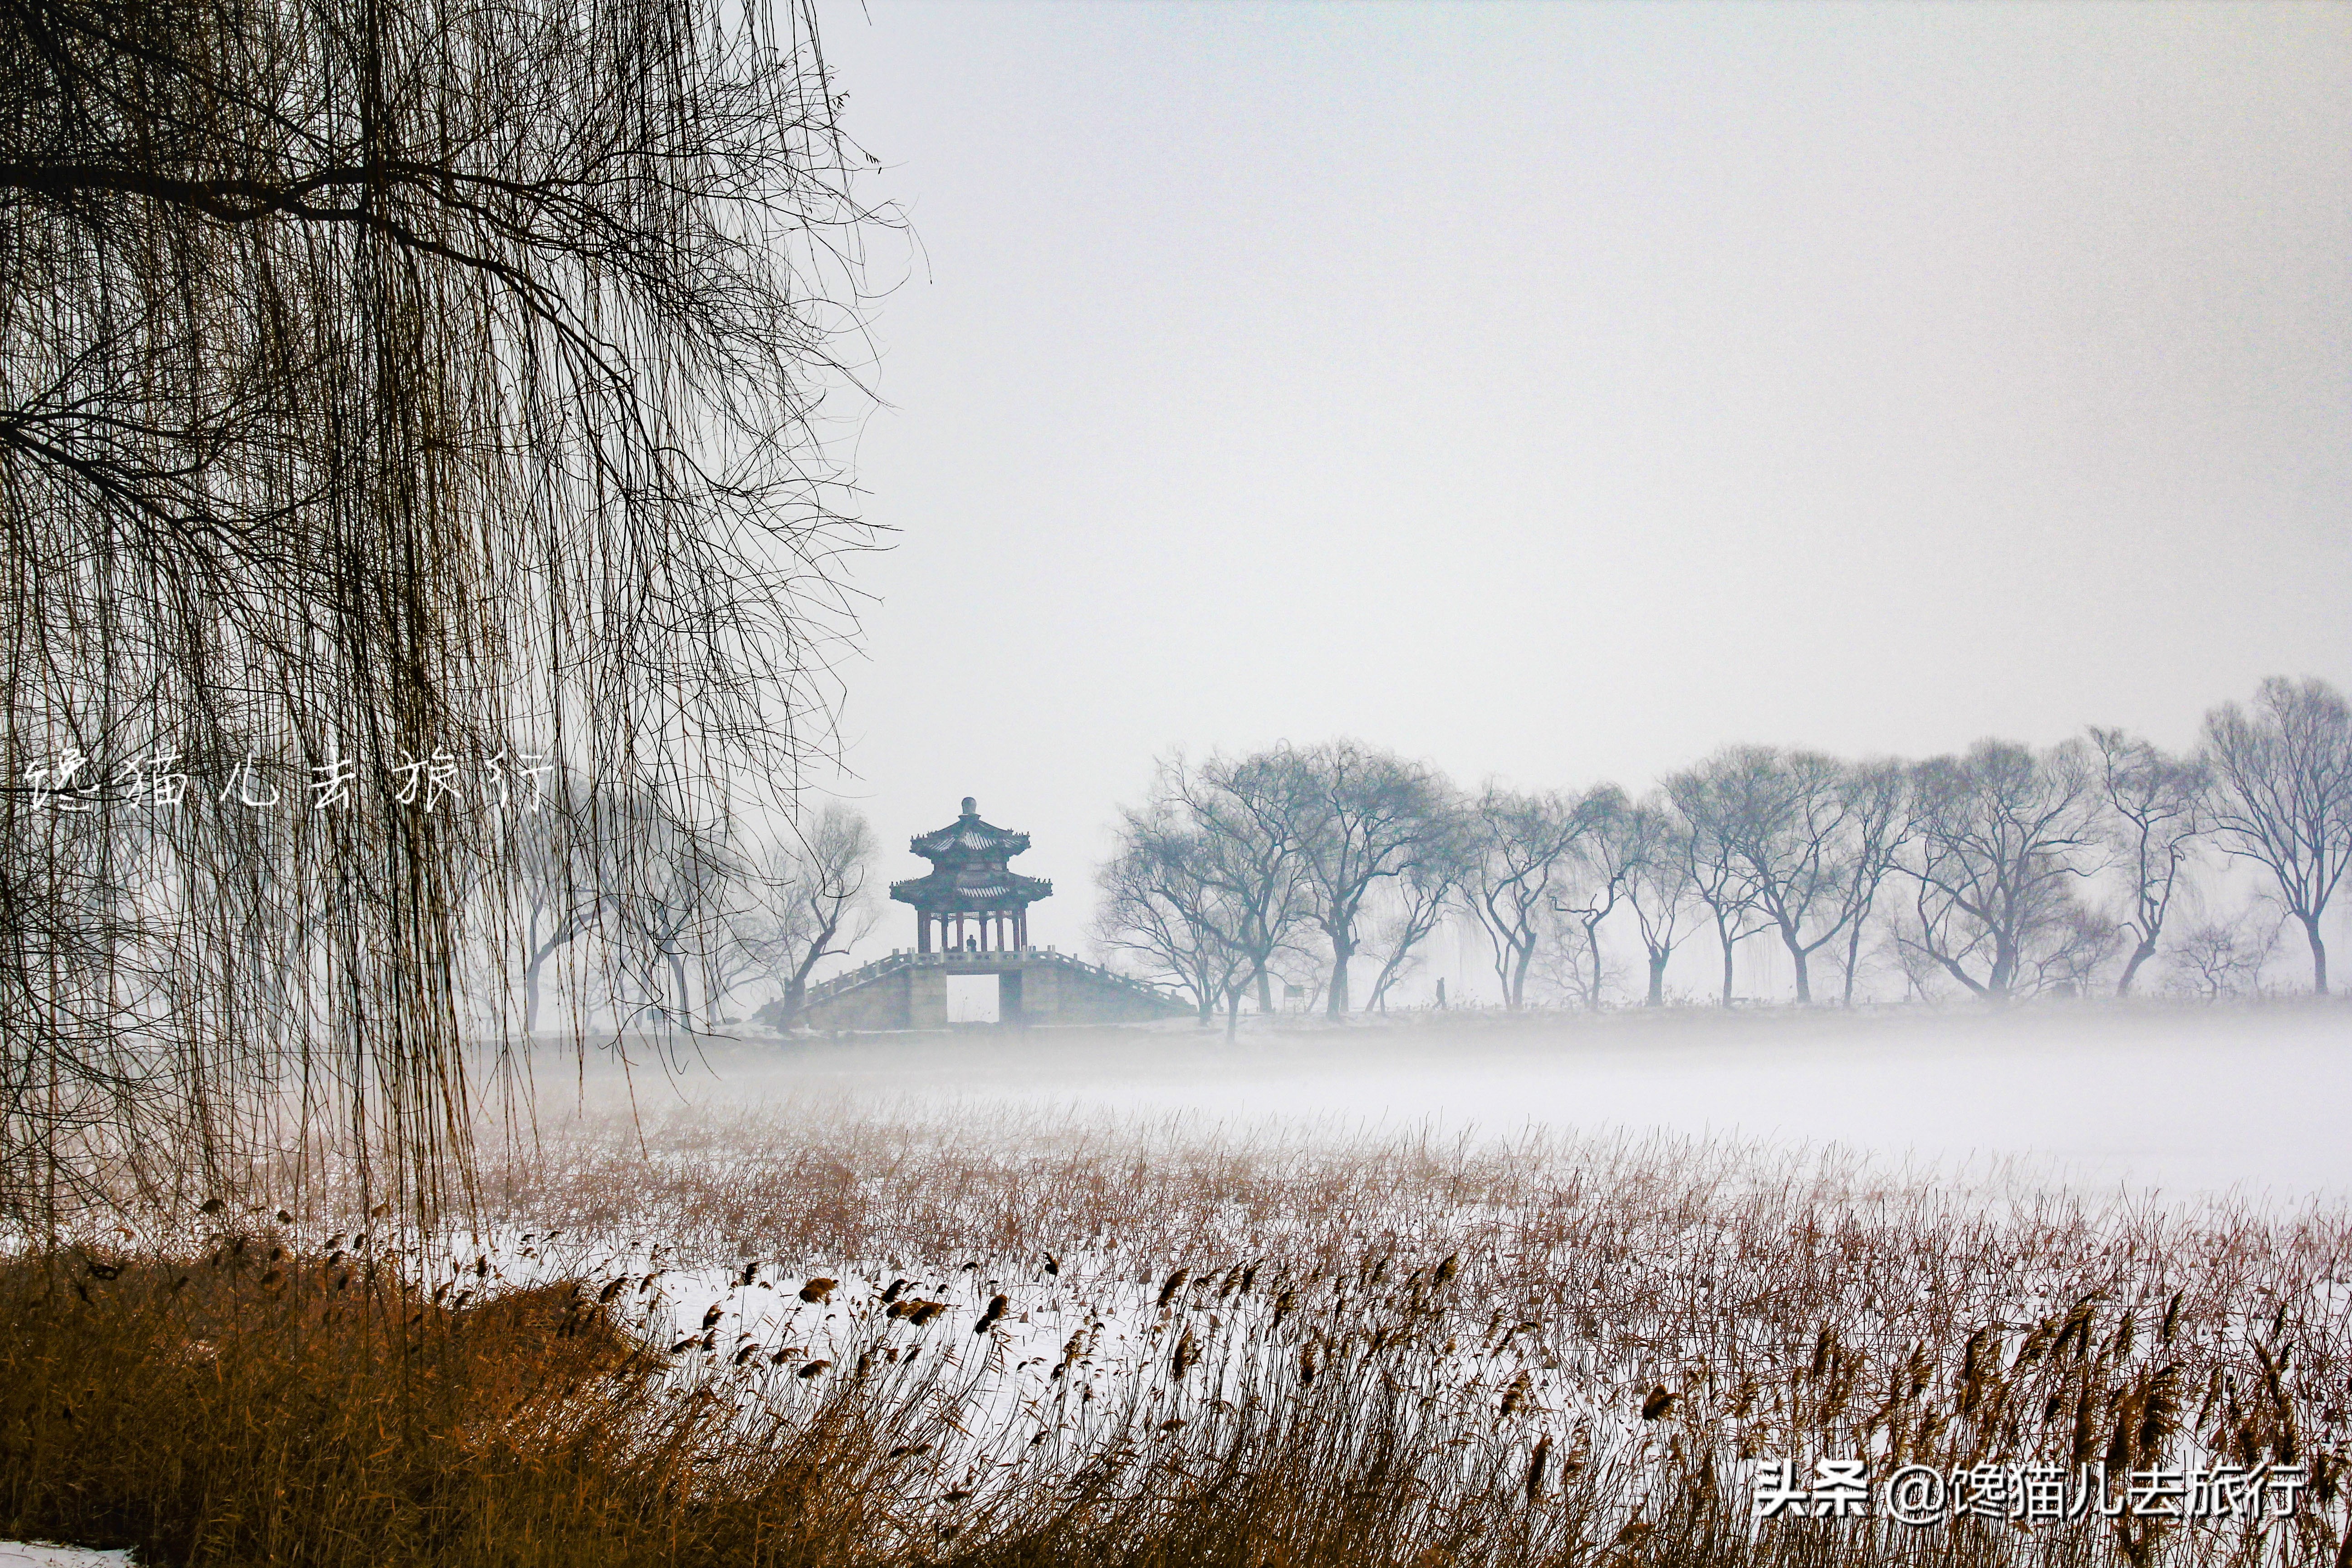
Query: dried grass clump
246	1405
1272	1350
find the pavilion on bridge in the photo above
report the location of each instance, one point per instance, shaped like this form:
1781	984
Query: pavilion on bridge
972	919
971	901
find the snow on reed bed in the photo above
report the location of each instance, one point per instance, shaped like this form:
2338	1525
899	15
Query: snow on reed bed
1041	1296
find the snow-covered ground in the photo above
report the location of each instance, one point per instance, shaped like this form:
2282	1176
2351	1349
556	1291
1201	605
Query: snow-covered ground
2246	1104
1024	1367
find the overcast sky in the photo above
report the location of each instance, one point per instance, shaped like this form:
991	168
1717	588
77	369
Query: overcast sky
1560	392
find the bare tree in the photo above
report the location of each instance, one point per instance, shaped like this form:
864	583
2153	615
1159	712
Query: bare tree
1160	905
1790	825
1878	824
1662	888
1717	870
1253	820
2285	796
1362	816
2070	954
1808	838
1995	860
1522	843
813	901
383	384
2159	808
2213	960
1303	965
1608	855
558	888
1420	897
1924	979
665	921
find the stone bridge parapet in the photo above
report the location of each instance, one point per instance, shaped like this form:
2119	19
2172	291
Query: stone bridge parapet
1037	985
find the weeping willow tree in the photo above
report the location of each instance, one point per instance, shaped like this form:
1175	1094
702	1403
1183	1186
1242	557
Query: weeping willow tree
409	417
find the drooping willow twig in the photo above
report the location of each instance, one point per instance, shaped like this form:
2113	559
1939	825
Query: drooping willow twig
409	453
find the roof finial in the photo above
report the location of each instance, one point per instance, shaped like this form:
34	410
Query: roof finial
969	808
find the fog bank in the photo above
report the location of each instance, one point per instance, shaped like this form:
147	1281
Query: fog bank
2179	1102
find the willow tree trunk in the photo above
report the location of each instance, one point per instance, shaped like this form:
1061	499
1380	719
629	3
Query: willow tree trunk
1523	957
2140	954
1343	950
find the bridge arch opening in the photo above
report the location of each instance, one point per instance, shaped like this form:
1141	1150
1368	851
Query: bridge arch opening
975	998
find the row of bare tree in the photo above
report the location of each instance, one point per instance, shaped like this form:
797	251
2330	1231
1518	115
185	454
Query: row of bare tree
707	917
1976	868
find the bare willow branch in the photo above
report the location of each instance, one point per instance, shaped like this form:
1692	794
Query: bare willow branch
422	398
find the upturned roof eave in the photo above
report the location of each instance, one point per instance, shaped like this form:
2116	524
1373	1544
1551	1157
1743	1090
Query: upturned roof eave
995	842
1001	890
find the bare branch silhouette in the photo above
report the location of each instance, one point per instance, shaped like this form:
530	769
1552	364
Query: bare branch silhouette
386	388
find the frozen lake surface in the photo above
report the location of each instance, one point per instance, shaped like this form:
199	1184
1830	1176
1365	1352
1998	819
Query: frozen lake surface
2249	1101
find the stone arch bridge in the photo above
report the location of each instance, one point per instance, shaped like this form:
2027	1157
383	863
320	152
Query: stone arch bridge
971	917
908	990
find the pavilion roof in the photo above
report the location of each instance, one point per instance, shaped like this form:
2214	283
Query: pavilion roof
952	889
968	838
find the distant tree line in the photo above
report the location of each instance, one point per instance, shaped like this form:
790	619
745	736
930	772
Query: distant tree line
738	919
2003	871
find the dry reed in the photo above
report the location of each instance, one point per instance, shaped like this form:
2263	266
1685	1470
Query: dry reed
1258	1349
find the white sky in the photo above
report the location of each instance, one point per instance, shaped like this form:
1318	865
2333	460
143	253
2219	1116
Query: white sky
1561	392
